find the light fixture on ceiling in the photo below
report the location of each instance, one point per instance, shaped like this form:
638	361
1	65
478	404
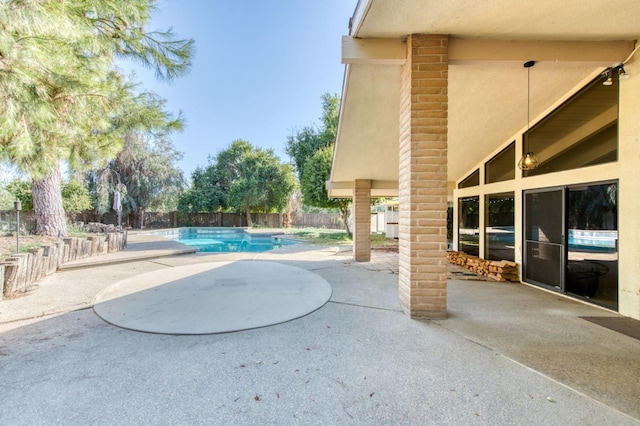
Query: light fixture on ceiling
607	75
622	74
528	160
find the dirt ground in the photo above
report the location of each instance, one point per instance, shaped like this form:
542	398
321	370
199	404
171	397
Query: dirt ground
8	243
388	245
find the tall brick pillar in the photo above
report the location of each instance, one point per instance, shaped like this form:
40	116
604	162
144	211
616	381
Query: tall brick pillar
362	221
423	178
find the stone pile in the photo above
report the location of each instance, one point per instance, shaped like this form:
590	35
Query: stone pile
100	227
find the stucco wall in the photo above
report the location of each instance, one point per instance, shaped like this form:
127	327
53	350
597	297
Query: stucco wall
629	193
626	170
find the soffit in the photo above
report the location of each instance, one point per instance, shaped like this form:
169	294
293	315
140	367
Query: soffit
488	106
501	19
369	125
487	102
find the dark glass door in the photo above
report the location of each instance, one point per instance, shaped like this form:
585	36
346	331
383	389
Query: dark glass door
544	247
571	241
592	249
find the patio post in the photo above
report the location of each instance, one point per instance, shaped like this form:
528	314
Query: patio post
423	177
362	220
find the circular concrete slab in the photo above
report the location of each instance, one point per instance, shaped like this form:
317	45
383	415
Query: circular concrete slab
216	297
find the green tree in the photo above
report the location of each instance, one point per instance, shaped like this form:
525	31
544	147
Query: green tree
75	197
206	194
61	96
21	190
312	152
146	174
304	143
254	179
6	198
313	184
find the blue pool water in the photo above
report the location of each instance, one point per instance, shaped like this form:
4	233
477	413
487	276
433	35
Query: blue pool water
582	244
228	240
578	239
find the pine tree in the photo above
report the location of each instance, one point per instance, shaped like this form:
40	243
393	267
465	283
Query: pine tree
61	95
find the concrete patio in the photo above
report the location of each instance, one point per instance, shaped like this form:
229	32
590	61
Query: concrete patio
507	354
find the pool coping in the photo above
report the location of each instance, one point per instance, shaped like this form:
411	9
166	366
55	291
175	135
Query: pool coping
139	247
151	244
251	231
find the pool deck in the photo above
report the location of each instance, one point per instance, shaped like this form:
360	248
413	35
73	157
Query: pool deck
140	246
507	354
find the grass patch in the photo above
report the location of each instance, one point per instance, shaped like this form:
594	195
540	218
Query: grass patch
378	240
334	236
24	248
320	236
75	230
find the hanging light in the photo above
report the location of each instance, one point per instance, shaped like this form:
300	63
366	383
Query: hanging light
622	74
528	160
607	74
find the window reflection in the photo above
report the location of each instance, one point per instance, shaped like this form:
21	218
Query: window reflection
499	231
592	218
469	226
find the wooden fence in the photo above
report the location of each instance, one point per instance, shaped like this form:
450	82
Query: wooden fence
153	220
317	220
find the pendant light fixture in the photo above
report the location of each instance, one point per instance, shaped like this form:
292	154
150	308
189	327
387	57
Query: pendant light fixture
528	160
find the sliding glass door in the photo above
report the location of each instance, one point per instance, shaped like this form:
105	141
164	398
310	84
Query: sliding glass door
571	241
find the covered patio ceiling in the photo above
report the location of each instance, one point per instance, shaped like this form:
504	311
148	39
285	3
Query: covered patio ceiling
489	42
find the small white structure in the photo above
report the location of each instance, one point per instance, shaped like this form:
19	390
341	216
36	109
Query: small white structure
384	218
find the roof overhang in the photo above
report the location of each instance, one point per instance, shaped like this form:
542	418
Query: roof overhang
487	88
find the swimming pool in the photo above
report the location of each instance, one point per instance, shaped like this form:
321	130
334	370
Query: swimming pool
228	240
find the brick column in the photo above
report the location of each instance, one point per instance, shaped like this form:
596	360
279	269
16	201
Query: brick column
423	178
362	221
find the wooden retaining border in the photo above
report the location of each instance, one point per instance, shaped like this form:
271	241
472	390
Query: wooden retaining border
499	270
21	272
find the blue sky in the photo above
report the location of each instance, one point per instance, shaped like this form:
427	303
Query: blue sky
258	72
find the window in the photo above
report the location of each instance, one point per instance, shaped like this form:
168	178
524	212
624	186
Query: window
472	180
499	231
469	225
582	132
502	166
